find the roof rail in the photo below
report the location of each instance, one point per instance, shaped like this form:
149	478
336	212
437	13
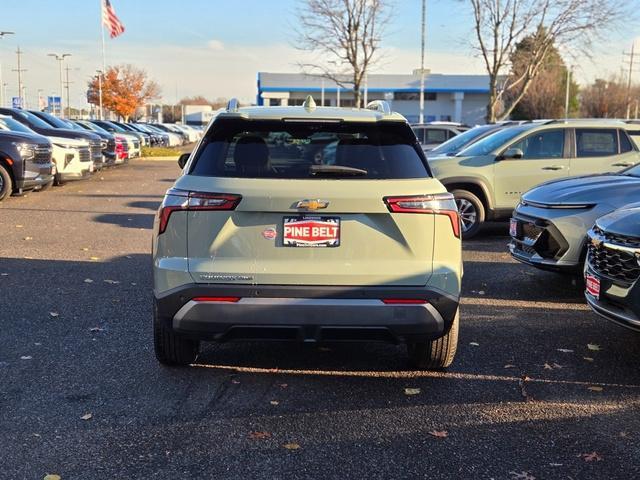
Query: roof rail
233	105
379	106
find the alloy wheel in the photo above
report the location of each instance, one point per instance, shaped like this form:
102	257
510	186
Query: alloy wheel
468	213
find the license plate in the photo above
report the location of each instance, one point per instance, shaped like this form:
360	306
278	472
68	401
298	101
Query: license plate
513	227
311	231
593	286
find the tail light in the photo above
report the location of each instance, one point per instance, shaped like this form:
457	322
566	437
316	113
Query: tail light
438	204
181	200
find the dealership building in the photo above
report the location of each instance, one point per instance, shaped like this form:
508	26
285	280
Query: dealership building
457	98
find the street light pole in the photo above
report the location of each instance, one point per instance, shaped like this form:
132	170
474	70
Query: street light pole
100	73
60	59
424	13
2	99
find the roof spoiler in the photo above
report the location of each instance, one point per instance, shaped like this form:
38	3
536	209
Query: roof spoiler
233	105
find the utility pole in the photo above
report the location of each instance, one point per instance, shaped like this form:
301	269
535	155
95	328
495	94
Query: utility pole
566	96
424	15
60	59
67	83
20	70
631	56
2	95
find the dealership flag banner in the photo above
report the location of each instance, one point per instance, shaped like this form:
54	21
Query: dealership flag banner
110	20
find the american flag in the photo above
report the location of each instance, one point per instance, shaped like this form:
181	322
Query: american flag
110	20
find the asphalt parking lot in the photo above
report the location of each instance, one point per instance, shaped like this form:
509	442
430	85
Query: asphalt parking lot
541	387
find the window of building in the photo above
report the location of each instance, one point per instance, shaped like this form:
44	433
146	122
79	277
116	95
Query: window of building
415	96
596	142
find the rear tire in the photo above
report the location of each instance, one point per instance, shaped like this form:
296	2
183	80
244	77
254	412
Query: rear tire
172	349
436	354
472	212
6	185
57	180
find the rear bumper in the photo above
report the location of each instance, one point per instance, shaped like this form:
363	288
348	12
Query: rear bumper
307	314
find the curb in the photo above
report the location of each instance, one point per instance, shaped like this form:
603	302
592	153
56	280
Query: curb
159	159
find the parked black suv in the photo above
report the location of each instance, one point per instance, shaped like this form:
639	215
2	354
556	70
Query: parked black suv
25	162
612	272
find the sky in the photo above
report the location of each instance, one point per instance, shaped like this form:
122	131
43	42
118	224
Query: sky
216	47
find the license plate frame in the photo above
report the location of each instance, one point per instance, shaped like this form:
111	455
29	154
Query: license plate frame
308	238
593	285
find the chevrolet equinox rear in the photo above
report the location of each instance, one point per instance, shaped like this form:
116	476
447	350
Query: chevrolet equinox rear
307	224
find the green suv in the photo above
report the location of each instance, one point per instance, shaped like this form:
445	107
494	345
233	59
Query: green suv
488	178
307	224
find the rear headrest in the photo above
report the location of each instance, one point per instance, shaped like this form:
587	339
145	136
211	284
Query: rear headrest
251	155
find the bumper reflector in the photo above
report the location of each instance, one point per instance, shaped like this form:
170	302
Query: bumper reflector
216	299
404	301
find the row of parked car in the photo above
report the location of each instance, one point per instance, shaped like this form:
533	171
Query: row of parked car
571	190
38	150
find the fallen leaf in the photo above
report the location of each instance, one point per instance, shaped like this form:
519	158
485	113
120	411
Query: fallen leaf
508	365
555	464
86	416
111	282
411	391
85	249
28	238
565	350
481	292
274	402
592	457
88	280
283	385
133	284
51	476
593	347
37	435
128	256
96	329
623	434
235	382
475	344
291	446
4	274
588	359
522	476
259	435
94	258
19	226
26	357
54	314
595	389
439	433
548	367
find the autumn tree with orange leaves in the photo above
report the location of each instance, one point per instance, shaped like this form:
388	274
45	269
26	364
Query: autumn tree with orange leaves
125	88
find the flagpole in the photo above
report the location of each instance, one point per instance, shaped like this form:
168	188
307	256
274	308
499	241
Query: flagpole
104	57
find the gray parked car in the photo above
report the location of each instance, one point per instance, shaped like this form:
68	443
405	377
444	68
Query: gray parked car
550	224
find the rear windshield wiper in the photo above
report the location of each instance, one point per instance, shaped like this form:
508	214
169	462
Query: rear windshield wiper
318	170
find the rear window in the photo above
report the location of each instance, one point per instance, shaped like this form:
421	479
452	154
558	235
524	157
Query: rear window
596	143
282	149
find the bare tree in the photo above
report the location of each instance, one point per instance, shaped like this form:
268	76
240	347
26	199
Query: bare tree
346	35
500	24
606	98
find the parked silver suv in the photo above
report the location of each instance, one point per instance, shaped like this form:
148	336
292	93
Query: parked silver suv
307	224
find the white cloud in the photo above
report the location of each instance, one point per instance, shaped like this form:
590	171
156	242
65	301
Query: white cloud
215	45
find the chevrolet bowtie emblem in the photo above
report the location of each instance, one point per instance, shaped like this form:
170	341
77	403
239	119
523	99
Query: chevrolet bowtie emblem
312	204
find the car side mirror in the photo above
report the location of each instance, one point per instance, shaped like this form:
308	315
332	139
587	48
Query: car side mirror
511	154
182	160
